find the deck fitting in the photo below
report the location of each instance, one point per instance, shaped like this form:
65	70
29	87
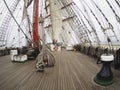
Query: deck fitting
105	76
103	82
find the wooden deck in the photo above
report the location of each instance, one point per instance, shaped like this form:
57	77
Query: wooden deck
73	71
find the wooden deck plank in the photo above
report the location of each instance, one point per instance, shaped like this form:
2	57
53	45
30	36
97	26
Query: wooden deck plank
72	71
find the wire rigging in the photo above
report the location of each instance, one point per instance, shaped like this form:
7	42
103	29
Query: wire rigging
110	26
29	3
117	3
64	12
9	25
95	16
102	28
94	31
16	21
3	6
6	21
117	17
71	13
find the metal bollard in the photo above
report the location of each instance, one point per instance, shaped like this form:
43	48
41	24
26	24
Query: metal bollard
105	76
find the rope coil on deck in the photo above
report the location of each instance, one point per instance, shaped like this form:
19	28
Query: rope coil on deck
45	59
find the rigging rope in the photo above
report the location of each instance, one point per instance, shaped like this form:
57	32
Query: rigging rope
29	3
29	25
71	12
117	3
117	17
107	36
10	31
78	9
79	33
9	25
18	13
6	21
94	16
110	25
3	7
16	21
14	43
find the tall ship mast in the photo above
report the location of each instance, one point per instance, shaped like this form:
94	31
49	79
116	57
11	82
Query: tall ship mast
36	23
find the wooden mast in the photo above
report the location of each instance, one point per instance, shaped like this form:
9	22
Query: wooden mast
35	23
